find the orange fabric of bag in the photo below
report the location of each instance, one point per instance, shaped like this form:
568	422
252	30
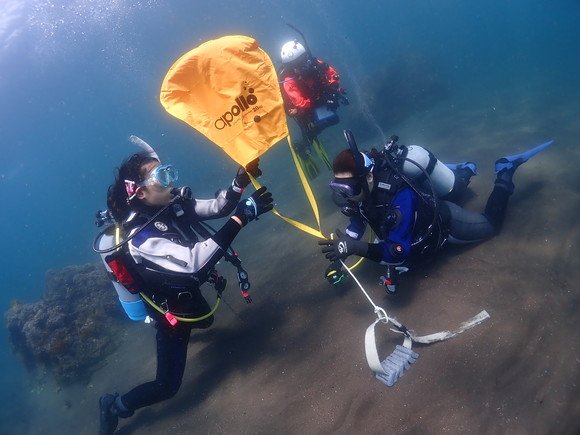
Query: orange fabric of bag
228	90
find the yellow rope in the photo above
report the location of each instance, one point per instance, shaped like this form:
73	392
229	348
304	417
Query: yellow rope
182	319
311	199
309	194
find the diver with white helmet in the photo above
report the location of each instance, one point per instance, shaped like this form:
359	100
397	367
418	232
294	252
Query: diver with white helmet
312	94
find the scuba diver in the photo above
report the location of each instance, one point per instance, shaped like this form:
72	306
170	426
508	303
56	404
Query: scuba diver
312	94
409	199
163	262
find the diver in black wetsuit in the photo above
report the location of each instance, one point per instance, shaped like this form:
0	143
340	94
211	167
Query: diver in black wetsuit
169	263
412	217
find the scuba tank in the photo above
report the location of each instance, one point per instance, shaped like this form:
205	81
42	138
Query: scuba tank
131	302
442	177
418	164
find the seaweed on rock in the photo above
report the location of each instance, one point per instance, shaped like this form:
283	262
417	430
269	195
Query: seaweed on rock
71	331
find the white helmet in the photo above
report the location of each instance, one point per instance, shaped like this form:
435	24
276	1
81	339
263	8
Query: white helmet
291	51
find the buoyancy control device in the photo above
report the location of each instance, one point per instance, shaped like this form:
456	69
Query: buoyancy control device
127	279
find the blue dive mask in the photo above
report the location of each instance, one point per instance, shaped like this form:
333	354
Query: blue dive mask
165	175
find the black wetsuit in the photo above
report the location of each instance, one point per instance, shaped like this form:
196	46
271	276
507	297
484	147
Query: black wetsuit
404	223
174	263
465	226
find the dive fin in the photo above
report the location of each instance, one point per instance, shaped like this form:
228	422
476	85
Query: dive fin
321	151
469	165
309	165
512	162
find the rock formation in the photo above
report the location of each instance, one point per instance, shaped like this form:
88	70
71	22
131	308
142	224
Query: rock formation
70	332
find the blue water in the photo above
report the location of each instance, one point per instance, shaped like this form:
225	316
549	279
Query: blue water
78	77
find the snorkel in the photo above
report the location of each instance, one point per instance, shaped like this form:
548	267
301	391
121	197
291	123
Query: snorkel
146	147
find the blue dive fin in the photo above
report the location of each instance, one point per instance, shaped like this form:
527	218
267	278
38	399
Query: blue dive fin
514	161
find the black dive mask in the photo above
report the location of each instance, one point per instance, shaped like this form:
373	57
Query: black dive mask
347	187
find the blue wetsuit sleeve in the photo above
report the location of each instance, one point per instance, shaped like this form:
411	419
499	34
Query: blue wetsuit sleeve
402	235
356	228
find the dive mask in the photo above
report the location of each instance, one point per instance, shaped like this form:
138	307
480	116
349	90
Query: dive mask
165	175
347	187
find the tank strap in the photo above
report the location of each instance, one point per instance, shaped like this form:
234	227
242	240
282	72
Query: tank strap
429	168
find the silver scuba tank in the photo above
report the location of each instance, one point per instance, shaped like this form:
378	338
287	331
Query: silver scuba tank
442	177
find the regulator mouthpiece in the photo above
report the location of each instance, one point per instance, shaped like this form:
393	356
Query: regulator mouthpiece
183	192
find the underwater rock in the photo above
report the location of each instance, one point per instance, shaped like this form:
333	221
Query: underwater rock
72	329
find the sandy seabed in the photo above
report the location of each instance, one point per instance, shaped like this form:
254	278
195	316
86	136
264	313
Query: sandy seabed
293	361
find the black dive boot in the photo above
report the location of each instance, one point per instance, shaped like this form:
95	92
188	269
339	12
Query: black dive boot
463	173
112	408
109	418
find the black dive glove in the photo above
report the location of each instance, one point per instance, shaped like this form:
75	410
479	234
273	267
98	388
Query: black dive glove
342	246
330	99
242	179
257	204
